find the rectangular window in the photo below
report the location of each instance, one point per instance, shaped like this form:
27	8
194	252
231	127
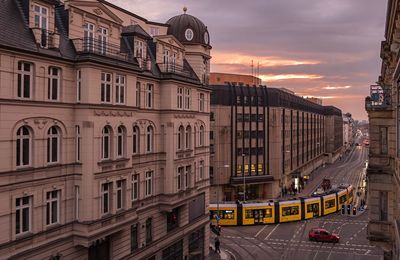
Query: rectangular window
76	202
383	206
120	194
140	50
106	87
187	98
187	175
154	31
77	143
149	183
384	140
179	177
149	233
201	170
25	74
180	98
23	215
53	207
201	102
149	95
138	94
135	187
53	84
120	89
134	237
78	85
41	22
103	40
88	37
173	219
105	198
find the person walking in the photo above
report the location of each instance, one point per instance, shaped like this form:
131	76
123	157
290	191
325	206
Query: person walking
217	244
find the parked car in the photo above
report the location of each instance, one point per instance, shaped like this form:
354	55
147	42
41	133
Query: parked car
322	235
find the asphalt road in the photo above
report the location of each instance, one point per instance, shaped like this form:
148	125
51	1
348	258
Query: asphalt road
290	240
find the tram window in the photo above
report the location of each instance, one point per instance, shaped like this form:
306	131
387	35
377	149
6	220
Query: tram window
228	214
342	199
249	213
330	203
268	213
288	211
312	207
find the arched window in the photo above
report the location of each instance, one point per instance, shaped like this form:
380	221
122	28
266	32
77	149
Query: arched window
149	139
181	133
135	139
105	143
188	139
24	146
120	141
201	136
53	145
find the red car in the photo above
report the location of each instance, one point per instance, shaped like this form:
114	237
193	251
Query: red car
322	235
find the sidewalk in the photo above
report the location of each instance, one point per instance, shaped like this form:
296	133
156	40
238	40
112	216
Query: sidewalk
215	256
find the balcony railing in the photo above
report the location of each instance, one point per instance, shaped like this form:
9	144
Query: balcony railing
103	48
380	97
176	69
46	39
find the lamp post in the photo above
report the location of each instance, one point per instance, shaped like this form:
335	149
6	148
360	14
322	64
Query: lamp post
218	216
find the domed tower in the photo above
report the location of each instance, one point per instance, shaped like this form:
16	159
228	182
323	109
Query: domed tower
193	34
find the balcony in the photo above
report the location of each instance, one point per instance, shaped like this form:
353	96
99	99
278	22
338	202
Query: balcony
46	39
380	98
170	68
102	48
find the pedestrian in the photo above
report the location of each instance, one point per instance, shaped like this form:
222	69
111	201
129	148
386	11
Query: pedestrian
217	244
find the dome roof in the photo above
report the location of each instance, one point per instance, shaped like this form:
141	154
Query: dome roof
188	29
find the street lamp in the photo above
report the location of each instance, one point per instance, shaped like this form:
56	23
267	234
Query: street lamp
218	217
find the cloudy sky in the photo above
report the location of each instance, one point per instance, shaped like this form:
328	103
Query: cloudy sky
321	48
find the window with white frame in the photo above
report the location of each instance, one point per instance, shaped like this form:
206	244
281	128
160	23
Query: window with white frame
179	101
201	102
106	143
135	187
120	141
149	139
53	84
188	137
173	59
149	183
201	136
77	202
53	207
188	170
24	146
77	143
106	87
149	95
88	36
140	49
106	198
201	170
103	39
187	98
135	140
120	89
181	134
53	145
120	194
25	79
138	94
41	22
179	177
23	215
78	85
166	57
154	31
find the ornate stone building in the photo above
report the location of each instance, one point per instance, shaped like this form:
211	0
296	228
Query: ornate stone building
103	117
266	139
383	173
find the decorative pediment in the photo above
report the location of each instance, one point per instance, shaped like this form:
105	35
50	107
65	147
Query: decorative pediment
96	9
169	40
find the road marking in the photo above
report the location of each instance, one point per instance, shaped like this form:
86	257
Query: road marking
366	253
272	231
261	230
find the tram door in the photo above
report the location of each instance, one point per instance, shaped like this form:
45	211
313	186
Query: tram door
315	209
258	216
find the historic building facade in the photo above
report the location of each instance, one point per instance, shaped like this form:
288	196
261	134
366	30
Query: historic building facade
266	139
383	172
104	117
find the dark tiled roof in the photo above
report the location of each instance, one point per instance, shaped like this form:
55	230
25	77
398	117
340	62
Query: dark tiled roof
135	30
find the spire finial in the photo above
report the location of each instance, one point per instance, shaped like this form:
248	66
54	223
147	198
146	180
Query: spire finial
184	9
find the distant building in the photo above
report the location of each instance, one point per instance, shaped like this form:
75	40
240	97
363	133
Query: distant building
383	172
233	79
315	100
270	138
